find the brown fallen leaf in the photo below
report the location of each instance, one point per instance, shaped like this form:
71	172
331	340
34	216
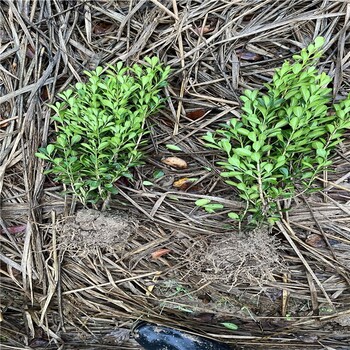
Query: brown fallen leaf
203	30
15	229
181	182
44	93
159	253
196	114
30	52
102	28
184	183
206	298
248	56
315	241
205	317
175	162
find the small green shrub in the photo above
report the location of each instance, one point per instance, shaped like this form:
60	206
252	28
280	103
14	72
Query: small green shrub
100	126
284	137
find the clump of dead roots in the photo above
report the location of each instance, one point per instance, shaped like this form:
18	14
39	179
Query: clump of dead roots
90	229
248	258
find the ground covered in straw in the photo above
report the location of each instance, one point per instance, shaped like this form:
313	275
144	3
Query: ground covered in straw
79	279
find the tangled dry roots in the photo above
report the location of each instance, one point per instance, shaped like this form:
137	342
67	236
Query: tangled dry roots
91	229
251	258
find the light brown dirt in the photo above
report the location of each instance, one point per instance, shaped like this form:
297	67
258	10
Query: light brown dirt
91	229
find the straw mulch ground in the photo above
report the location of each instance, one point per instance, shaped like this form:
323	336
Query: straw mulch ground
62	293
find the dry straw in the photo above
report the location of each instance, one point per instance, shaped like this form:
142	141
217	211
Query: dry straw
216	48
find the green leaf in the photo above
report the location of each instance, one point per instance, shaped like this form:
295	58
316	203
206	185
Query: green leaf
272	220
281	123
154	61
294	122
252	136
319	42
158	174
233	216
297	68
243	131
79	86
241	186
316	133
212	207
253	119
50	149
75	139
321	153
298	111
41	156
173	147
236	174
330	128
317	145
311	48
243	152
107	103
225	145
147	183
229	325
284	171
202	202
268	167
307	175
256	157
209	137
98	70
257	145
305	92
234	160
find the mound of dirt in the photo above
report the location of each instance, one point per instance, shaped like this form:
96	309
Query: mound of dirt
249	257
91	229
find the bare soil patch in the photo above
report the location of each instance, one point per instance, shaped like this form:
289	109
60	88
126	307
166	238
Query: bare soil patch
250	258
91	229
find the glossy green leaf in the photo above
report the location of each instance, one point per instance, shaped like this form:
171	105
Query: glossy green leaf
173	147
319	42
233	216
41	156
243	152
158	174
213	207
225	145
229	325
147	183
202	202
50	149
256	156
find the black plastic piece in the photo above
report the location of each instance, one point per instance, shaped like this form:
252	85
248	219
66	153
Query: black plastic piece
153	337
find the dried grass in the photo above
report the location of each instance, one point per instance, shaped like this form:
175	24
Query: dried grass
216	48
238	259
